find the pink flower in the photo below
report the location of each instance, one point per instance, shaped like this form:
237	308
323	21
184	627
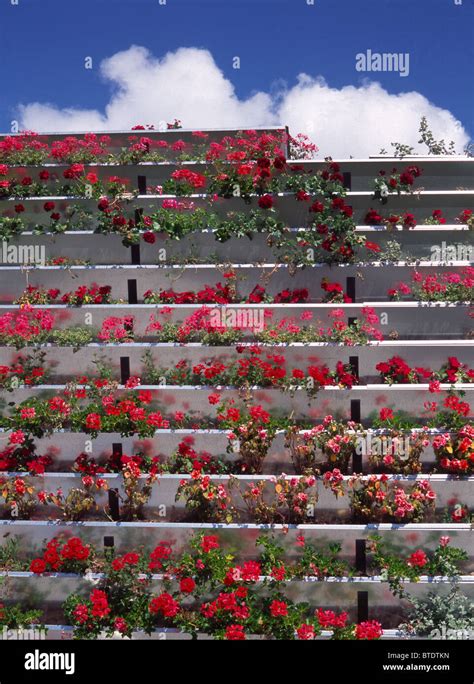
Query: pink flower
27	413
17	437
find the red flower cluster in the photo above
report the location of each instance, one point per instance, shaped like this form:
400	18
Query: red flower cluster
334	292
329	620
287	296
98	608
278	609
92	294
396	370
418	559
25	325
92	145
220	294
128	560
160	553
164	604
235	633
58	553
228	605
188	177
117	329
373	218
465	217
369	630
24	375
209	542
342	376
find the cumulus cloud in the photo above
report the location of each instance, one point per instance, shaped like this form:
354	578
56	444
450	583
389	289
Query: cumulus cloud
187	84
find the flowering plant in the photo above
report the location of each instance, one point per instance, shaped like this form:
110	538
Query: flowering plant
219	294
395	451
80	184
291	330
118	605
79	501
330	236
334	292
396	182
239	611
445	287
184	182
117	329
26	326
312	561
436	218
208	326
444	560
251	436
128	413
455	451
28	148
19	497
224	294
63	555
333	440
74	217
456	415
466	217
373	218
66	262
20	454
136	494
396	370
282	500
25	370
85	294
205	499
92	294
251	370
377	499
185	459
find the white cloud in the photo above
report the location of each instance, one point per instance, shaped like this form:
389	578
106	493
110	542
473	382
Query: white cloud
188	85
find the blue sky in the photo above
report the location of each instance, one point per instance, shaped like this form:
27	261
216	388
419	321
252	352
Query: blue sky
44	43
